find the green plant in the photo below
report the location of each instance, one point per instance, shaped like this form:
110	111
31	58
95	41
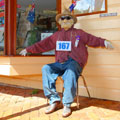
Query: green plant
35	91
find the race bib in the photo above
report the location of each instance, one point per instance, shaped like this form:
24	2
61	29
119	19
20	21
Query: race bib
63	46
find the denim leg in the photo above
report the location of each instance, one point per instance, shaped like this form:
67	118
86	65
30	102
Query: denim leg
49	76
70	78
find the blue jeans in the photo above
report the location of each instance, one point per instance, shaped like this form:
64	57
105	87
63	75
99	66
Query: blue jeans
70	71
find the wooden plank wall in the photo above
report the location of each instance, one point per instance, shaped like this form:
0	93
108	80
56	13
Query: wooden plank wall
102	71
23	71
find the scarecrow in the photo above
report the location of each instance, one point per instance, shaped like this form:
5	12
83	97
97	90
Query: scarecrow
71	55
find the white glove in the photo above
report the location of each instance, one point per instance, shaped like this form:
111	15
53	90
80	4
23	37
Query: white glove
108	44
23	52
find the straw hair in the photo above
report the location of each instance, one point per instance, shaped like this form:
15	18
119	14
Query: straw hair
65	13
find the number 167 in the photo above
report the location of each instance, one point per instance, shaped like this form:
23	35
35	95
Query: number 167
64	45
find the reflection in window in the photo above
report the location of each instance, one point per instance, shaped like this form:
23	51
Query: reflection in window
34	18
2	8
89	6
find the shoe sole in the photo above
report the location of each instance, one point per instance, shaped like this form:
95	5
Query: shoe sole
54	109
51	111
67	115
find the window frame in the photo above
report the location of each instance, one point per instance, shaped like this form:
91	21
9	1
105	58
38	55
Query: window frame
92	13
10	26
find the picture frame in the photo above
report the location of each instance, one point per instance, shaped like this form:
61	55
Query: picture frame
88	7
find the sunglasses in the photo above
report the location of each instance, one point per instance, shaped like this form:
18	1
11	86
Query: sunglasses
65	17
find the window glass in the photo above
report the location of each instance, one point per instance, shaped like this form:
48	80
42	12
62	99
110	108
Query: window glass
89	6
35	21
2	8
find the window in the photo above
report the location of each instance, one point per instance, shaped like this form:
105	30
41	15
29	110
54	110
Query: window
10	39
35	21
2	8
87	7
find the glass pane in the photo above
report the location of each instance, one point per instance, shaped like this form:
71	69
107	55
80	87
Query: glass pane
2	8
35	21
89	6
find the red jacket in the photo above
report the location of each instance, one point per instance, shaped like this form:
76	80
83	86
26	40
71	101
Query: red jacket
79	53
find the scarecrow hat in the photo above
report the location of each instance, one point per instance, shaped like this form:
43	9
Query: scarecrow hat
66	12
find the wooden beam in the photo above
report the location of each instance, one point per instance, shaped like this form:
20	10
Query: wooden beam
10	27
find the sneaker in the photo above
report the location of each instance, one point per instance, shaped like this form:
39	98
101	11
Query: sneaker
52	107
66	111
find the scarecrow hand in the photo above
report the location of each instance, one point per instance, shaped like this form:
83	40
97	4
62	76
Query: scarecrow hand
108	44
23	52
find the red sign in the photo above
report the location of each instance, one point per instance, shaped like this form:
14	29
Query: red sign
1	14
18	6
2	3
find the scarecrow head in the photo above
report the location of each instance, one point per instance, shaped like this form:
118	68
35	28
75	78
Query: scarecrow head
66	19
